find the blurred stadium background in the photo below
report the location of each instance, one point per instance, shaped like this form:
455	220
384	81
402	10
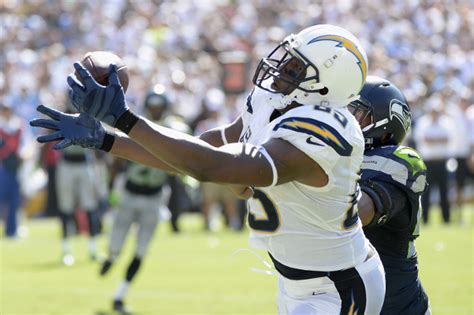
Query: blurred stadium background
201	54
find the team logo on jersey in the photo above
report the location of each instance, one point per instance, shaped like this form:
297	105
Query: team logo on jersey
319	130
350	46
400	111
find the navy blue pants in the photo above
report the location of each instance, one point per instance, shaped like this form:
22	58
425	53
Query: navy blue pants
9	199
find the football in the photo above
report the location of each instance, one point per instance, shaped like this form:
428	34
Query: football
97	62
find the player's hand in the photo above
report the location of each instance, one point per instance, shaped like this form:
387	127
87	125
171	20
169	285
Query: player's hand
77	129
105	103
241	192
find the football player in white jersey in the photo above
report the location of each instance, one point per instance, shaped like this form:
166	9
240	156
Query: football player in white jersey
296	145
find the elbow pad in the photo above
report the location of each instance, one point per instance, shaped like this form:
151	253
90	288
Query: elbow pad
382	200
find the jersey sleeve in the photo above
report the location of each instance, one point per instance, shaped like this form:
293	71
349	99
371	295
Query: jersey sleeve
317	134
414	176
399	165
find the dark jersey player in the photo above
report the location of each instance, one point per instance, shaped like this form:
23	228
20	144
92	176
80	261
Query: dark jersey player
393	179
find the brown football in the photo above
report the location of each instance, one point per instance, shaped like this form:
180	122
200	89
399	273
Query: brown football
98	62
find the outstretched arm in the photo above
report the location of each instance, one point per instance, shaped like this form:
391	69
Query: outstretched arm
126	148
195	157
239	164
276	161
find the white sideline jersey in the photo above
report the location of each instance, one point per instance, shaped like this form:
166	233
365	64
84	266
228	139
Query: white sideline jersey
301	226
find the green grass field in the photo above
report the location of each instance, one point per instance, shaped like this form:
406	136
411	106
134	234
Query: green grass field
199	273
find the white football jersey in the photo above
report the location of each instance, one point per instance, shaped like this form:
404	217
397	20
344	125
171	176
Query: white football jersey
301	226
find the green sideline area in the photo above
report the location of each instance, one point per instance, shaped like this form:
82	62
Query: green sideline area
199	272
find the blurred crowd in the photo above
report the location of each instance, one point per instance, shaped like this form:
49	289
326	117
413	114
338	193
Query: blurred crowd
201	55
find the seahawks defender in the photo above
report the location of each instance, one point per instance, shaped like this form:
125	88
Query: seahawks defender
145	191
299	147
393	179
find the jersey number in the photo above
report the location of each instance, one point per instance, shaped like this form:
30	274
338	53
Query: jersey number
272	222
337	114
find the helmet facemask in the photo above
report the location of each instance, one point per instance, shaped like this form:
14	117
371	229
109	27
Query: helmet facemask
364	114
285	70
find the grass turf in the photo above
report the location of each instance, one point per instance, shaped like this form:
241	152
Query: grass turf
198	272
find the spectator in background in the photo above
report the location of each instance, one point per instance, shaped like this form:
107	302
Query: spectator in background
462	150
420	45
434	136
25	100
470	160
11	131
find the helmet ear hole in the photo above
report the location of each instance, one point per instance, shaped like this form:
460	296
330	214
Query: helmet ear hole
324	91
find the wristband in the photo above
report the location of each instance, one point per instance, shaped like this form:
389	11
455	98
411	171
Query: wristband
126	122
108	142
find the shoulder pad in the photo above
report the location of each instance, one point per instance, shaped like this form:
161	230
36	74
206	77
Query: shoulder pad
412	159
402	164
318	134
316	127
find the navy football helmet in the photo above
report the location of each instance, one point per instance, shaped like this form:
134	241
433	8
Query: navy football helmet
383	112
156	104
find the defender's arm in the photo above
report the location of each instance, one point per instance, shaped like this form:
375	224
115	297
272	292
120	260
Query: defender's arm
380	202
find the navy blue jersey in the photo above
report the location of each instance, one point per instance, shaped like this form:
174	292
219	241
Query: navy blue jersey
402	172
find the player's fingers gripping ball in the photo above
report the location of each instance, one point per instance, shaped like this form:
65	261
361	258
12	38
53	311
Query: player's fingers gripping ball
98	63
96	87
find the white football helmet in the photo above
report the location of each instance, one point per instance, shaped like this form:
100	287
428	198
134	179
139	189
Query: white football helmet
321	65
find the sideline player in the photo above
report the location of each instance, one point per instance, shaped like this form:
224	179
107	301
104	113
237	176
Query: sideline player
393	179
77	186
296	143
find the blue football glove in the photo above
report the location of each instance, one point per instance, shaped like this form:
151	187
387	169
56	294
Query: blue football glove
105	103
77	129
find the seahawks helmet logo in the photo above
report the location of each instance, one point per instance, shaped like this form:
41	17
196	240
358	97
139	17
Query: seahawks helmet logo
400	111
